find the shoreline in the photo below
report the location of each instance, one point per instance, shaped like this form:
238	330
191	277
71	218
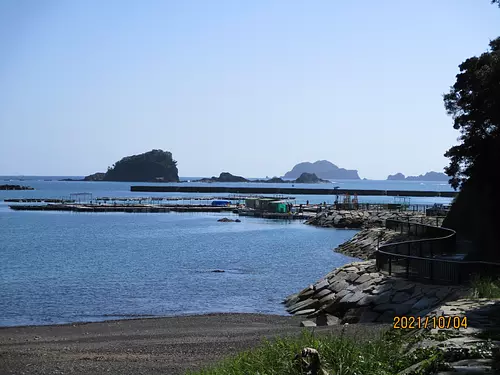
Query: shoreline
141	317
171	345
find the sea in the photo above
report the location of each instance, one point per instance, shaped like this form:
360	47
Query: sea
66	267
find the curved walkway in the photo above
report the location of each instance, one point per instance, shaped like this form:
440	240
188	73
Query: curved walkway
434	257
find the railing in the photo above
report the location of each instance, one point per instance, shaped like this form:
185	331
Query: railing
383	206
416	259
422	259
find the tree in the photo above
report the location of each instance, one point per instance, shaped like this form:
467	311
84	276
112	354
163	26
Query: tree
496	2
474	104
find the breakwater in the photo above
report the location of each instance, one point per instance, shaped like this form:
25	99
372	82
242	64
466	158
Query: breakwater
358	293
369	218
290	190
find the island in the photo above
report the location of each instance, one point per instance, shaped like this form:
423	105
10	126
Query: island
15	187
304	178
429	176
323	169
99	176
152	166
224	177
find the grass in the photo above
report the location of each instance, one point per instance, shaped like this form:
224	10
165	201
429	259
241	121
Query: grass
340	355
485	287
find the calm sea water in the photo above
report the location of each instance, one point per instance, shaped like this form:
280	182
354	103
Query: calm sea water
60	267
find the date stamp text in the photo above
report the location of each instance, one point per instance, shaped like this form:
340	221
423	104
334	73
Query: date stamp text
433	322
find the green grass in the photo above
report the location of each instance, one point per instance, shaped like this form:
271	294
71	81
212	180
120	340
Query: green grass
485	287
340	355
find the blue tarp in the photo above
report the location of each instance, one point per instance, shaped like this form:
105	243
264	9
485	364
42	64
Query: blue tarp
220	203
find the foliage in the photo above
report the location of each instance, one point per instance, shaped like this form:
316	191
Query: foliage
485	287
340	355
155	165
474	104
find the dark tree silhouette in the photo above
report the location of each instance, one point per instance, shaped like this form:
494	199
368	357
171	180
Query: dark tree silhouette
474	104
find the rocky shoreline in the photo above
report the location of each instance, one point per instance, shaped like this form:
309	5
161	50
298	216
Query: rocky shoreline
358	293
358	219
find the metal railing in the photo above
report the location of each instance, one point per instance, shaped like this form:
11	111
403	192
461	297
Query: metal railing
382	207
424	259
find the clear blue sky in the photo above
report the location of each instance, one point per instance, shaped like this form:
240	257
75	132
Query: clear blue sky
248	87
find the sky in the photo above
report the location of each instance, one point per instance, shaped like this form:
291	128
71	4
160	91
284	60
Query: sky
247	87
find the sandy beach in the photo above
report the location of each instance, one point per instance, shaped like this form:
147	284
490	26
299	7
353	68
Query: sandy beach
167	346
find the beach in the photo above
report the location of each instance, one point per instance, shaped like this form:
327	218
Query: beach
171	345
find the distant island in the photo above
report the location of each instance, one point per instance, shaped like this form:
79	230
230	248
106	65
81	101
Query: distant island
224	177
429	176
152	166
304	178
322	169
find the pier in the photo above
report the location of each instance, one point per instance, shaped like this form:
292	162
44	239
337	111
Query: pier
290	190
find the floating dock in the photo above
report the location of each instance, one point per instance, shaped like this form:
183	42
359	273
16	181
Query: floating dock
120	208
38	200
290	190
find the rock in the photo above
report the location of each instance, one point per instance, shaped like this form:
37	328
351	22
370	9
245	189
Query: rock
383	298
345	299
339	285
343	293
363	278
305	312
327	320
352	277
403	285
307	323
367	286
382	288
306	294
424	303
400	297
321	285
355	297
322	293
306	304
353	315
225	220
327	299
367	300
368	316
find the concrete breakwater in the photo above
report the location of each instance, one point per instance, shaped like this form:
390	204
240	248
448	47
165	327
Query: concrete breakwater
364	243
290	190
369	218
358	293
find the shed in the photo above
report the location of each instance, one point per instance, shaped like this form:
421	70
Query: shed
279	207
251	202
